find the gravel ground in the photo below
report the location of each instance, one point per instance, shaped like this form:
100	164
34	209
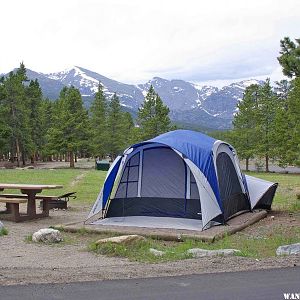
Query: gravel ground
23	262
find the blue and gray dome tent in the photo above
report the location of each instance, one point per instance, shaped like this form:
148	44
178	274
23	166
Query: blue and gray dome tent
180	179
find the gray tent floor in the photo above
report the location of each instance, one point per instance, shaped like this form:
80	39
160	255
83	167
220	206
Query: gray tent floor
234	225
152	222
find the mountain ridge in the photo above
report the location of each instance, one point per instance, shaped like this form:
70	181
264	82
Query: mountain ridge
190	103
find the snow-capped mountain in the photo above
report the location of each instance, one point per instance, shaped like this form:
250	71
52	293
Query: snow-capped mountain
87	82
190	103
206	105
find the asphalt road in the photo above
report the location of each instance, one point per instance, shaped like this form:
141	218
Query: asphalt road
264	284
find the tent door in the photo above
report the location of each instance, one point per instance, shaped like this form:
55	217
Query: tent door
155	184
234	200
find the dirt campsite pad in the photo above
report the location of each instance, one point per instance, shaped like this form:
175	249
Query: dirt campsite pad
217	232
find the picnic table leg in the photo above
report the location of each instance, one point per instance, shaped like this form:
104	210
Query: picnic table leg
8	208
15	212
45	207
31	209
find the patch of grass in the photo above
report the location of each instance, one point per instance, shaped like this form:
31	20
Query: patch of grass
139	251
261	246
89	187
83	231
28	238
254	246
86	188
295	206
3	231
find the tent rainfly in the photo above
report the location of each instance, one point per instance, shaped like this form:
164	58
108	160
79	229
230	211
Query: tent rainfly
181	179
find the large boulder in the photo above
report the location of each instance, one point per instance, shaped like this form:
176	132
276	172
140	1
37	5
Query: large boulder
123	239
288	249
47	235
198	252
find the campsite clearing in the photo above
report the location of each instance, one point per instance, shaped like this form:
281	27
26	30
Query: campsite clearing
26	262
23	261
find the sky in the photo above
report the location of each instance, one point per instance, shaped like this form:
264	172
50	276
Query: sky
134	40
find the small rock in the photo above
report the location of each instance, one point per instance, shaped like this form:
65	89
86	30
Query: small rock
47	235
156	252
123	239
1	225
288	249
197	252
29	168
272	217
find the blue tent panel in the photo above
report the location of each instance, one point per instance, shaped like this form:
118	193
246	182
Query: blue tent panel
109	182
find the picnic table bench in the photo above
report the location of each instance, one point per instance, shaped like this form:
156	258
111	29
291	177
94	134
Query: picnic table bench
29	196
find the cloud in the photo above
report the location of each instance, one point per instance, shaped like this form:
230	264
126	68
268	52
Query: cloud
134	40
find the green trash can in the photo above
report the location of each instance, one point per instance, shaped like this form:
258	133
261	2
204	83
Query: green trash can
102	165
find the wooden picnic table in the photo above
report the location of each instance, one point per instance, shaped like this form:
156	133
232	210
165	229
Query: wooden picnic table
30	190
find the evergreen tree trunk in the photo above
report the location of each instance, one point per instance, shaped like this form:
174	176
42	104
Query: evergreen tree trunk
72	162
247	164
23	159
267	163
18	152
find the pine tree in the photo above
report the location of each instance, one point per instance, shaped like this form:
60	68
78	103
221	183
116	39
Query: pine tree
55	144
290	57
282	134
71	130
266	111
17	117
98	119
127	130
282	89
47	122
34	98
153	116
5	130
244	134
115	130
293	119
